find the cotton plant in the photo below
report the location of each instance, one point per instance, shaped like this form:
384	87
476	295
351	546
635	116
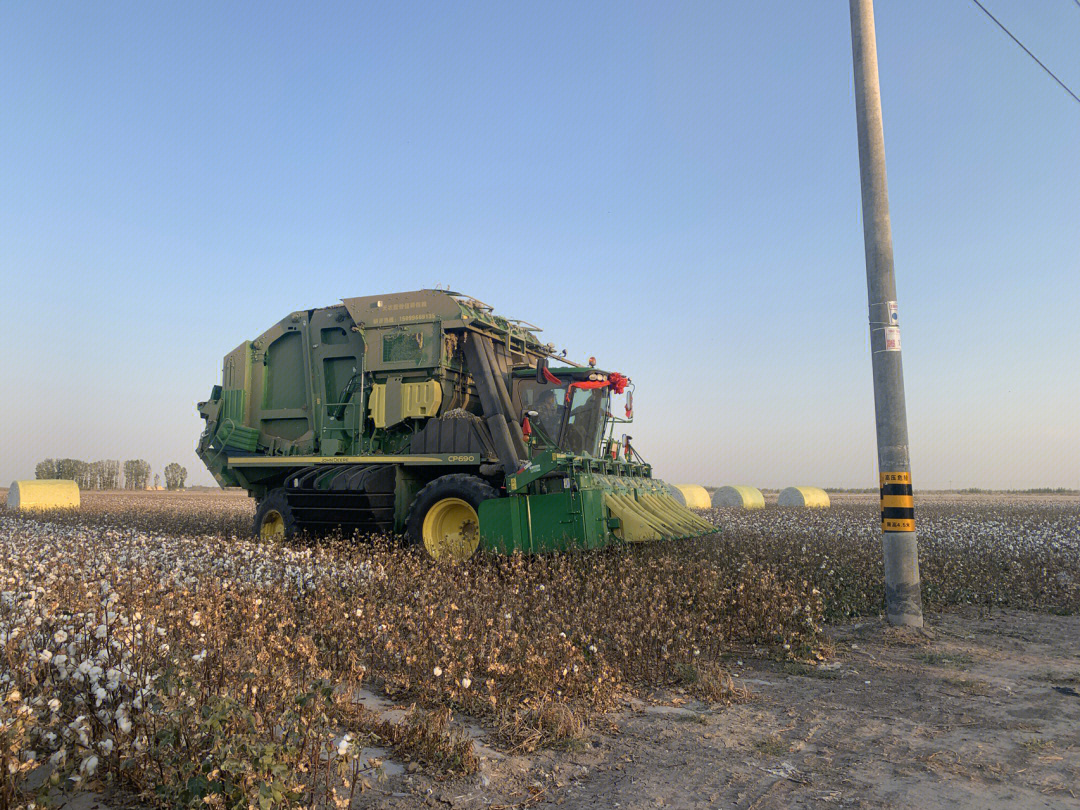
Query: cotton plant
133	637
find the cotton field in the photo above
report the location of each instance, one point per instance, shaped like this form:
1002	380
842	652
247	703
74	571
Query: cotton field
149	645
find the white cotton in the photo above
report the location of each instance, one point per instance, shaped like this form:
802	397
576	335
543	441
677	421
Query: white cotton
60	636
54	705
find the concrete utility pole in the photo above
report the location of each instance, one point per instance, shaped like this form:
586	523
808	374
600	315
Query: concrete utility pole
903	598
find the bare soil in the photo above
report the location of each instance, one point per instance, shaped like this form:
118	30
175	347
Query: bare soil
980	711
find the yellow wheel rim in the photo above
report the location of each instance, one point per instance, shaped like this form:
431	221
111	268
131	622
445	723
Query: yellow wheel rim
451	530
272	526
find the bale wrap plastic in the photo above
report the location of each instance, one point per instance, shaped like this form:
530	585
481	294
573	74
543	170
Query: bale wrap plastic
48	494
691	495
739	497
808	497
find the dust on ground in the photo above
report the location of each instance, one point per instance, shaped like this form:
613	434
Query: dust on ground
983	711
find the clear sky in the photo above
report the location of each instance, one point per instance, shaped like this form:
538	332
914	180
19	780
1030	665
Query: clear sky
672	187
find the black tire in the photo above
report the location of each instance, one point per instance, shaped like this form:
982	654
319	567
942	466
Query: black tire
275	502
469	488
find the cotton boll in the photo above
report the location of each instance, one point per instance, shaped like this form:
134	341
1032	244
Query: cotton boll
343	745
89	765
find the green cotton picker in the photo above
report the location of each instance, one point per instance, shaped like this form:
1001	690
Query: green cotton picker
424	413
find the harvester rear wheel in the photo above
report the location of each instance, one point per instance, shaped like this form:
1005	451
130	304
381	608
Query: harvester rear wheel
274	519
444	521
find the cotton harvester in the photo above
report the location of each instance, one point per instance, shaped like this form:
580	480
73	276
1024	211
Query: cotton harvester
424	413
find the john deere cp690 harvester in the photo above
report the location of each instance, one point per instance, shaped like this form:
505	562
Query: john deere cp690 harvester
425	413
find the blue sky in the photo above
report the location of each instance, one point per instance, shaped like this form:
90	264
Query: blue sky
671	187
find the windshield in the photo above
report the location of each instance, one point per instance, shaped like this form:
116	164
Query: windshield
577	429
585	424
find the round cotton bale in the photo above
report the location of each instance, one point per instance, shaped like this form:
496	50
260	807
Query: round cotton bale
808	497
739	497
48	494
691	495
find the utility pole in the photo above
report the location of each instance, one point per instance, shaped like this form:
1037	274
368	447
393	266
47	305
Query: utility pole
903	598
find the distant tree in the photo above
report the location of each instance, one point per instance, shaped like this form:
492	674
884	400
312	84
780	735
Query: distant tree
46	469
136	474
157	480
110	477
84	475
65	468
104	474
175	476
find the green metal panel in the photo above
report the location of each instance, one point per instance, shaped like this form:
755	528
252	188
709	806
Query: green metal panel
234	405
286	384
559	521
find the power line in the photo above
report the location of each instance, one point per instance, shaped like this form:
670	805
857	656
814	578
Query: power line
1064	86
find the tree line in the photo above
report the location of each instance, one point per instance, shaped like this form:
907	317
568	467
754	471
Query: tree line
105	474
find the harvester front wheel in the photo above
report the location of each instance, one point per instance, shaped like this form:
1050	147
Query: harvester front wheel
274	519
444	518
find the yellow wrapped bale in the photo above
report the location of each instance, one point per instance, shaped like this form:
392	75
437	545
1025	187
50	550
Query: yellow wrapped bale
739	497
691	495
808	497
25	495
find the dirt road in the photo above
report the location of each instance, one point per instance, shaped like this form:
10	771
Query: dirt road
986	714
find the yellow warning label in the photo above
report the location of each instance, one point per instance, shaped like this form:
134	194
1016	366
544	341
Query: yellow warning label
898	525
897	501
895	478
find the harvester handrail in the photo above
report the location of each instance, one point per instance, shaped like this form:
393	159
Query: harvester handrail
530	327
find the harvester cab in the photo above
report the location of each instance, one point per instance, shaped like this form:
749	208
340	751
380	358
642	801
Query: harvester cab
571	406
427	414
